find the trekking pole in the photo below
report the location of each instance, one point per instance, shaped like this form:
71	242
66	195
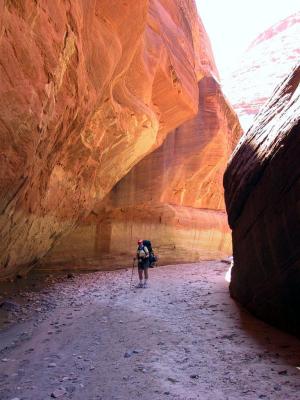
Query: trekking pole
132	273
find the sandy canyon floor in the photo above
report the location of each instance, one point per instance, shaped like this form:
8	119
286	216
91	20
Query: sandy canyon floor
90	337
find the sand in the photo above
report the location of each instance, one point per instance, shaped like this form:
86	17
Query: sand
90	337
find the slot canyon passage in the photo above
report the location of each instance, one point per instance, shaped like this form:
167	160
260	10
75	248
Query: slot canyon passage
114	127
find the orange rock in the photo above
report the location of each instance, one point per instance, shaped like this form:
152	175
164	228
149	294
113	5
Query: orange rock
108	240
174	197
87	90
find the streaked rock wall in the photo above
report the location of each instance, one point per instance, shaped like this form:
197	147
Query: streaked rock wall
174	197
262	192
88	89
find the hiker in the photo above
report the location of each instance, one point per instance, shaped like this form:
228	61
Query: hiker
142	255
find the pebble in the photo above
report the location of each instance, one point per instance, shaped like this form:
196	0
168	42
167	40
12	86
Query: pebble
30	350
51	365
128	354
173	380
58	392
284	372
9	306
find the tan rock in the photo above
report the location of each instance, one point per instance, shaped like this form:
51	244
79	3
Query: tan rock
174	197
87	90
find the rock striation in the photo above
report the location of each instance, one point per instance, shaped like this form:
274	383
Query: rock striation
88	89
262	193
267	61
174	197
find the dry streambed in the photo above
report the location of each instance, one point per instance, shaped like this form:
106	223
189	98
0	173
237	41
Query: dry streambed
89	336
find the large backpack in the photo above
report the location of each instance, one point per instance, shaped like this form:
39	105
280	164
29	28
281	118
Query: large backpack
147	243
152	257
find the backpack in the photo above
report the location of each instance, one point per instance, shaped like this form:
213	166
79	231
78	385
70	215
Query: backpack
147	243
152	257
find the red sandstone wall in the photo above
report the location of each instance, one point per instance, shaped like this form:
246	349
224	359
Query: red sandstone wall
174	197
88	88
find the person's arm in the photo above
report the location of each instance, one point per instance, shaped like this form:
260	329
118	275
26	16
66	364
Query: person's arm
146	251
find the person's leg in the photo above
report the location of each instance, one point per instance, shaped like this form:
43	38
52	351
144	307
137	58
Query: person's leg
140	277
146	277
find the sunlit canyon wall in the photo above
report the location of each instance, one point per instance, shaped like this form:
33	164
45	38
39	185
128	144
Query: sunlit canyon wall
89	89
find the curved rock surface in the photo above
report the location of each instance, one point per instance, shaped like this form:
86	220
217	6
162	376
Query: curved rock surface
267	61
88	88
174	197
262	192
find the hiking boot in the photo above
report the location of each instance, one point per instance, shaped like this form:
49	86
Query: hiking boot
140	285
145	285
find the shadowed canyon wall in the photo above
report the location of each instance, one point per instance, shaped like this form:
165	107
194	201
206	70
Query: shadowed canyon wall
267	61
262	192
88	89
174	197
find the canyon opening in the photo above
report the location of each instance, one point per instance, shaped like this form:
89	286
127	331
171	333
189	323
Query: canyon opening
149	200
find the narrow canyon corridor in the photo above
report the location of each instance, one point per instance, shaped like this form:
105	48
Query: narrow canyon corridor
88	336
123	134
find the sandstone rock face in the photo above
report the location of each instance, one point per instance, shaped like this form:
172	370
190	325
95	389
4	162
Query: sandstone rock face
267	61
187	170
174	197
262	192
88	88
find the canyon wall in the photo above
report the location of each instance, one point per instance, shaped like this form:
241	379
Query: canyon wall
88	89
174	197
267	61
262	192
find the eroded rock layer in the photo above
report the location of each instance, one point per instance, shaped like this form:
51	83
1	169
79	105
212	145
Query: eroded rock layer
174	197
262	192
108	240
88	88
